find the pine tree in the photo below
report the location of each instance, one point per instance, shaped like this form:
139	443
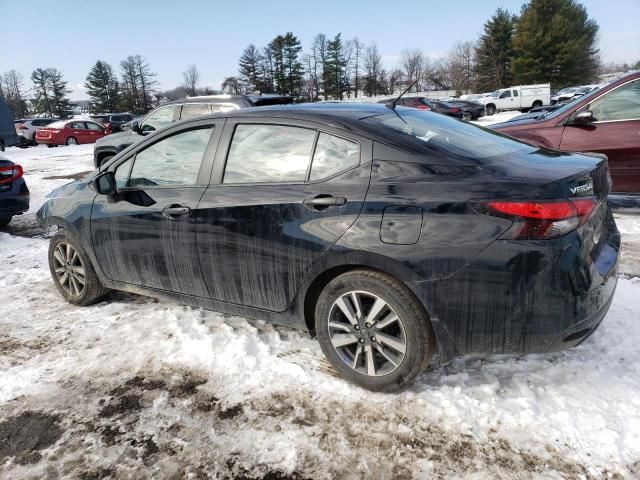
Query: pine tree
494	52
41	100
555	42
103	87
60	103
294	70
277	54
137	84
333	68
250	70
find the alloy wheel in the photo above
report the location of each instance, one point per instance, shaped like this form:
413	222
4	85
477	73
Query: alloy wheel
71	141
367	333
69	269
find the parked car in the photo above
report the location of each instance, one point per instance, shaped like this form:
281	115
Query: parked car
14	194
569	93
171	112
471	110
606	120
8	136
113	121
27	128
70	132
386	232
422	103
517	98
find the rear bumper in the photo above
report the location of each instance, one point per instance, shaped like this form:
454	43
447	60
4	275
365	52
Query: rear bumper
521	297
14	201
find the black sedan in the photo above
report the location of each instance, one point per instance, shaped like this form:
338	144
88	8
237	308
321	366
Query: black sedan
470	110
423	103
14	194
389	233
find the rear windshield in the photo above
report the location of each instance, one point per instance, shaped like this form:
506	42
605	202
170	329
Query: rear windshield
59	124
432	133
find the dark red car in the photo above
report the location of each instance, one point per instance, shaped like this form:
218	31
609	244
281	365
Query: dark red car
71	132
606	120
422	103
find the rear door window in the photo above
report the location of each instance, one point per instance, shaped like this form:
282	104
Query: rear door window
78	125
333	155
269	153
191	110
94	126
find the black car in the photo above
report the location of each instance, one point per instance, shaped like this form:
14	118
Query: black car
389	233
8	135
14	194
171	112
113	120
470	110
422	103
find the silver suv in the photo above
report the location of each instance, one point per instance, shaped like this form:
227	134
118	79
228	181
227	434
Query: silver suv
26	130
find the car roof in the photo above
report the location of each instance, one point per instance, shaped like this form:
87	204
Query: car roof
210	99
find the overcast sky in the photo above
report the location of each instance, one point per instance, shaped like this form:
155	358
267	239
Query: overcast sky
171	35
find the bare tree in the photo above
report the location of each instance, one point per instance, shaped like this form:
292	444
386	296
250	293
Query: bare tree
316	61
13	92
395	77
357	60
413	66
373	70
191	78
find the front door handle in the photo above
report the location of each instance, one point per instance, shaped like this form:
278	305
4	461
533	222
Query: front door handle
320	202
174	211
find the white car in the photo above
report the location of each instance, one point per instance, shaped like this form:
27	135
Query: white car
517	98
27	129
570	93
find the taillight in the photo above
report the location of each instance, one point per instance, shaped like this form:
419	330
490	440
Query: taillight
542	219
423	107
23	127
455	110
10	173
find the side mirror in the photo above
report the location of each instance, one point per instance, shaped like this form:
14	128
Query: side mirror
135	126
105	183
584	117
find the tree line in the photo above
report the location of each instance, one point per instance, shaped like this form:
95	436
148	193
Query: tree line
549	41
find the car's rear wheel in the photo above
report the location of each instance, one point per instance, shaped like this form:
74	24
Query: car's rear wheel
105	160
4	221
490	109
72	272
71	141
373	330
536	104
468	116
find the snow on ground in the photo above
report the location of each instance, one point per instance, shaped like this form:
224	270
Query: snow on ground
136	388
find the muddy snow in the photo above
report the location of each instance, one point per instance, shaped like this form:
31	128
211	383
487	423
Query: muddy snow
139	388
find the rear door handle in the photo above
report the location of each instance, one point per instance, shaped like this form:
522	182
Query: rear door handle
173	211
320	202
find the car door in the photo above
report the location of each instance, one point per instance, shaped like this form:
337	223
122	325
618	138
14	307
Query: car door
269	215
94	132
78	131
145	234
614	131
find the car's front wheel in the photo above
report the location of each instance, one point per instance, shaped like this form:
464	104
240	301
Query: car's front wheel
373	330
105	160
72	272
4	221
490	109
468	116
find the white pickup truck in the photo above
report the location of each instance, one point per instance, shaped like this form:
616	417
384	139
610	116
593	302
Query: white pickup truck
517	98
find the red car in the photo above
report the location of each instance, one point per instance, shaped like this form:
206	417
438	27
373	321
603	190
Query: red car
606	120
70	132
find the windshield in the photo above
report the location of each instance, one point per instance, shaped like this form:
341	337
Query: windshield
566	90
496	93
433	133
568	106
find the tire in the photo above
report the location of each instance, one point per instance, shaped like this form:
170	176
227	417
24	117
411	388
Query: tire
1	146
406	327
490	109
105	160
63	262
536	104
4	221
49	145
468	116
71	141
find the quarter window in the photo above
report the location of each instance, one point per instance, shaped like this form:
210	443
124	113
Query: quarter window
173	161
623	103
269	153
333	155
162	117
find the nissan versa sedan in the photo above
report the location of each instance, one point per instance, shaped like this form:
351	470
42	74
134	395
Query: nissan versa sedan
389	233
